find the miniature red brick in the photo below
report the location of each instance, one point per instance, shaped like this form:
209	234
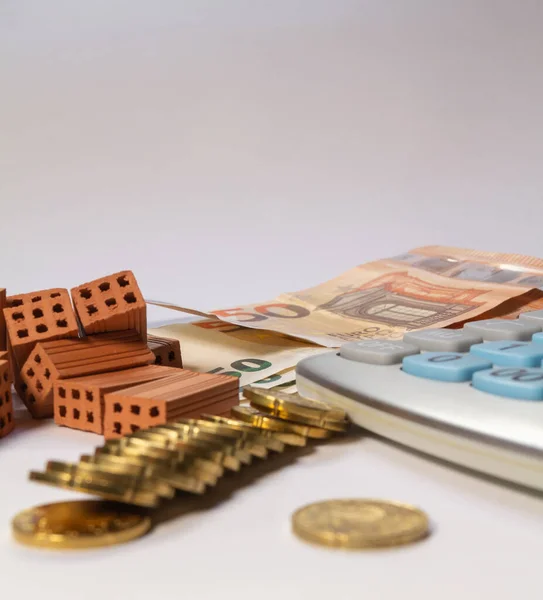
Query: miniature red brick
3	333
112	303
64	359
78	402
37	317
6	405
30	318
185	394
15	372
167	351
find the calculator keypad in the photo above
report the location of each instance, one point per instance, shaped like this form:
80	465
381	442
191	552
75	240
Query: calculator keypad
498	356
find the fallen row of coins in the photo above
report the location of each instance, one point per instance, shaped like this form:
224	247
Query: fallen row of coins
151	465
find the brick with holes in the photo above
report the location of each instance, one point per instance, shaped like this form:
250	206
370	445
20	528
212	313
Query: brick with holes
31	318
167	351
112	303
4	355
185	394
3	333
78	402
64	359
6	405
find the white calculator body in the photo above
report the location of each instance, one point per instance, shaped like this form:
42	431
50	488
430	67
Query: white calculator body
472	396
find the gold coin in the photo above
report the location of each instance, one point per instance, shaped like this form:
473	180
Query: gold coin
79	524
126	479
291	439
175	475
141	447
227	446
244	449
204	465
96	487
254	443
191	448
283	414
119	464
258	419
312	407
359	523
294	407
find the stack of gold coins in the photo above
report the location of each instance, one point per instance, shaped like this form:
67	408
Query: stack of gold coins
191	455
149	466
277	411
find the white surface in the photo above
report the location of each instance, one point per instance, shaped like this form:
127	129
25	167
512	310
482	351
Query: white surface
228	151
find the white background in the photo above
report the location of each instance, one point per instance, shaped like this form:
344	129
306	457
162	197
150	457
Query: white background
226	151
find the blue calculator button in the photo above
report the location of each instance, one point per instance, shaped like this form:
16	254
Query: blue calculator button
511	382
444	366
537	338
510	354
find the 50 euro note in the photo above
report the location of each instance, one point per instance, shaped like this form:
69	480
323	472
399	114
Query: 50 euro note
493	267
386	298
260	358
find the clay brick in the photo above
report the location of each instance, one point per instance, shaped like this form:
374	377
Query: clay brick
6	405
112	303
37	317
185	394
33	317
64	359
3	333
78	402
167	351
20	386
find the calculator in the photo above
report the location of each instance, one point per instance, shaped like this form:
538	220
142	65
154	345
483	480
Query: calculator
471	396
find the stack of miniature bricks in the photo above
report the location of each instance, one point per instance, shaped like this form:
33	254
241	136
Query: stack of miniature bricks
6	378
92	366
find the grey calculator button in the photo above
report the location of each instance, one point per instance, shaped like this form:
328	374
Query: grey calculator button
494	330
533	317
443	340
377	352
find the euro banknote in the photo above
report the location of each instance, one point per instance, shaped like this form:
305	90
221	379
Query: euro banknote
431	286
260	358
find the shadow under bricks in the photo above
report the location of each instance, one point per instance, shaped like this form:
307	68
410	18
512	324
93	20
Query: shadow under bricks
24	422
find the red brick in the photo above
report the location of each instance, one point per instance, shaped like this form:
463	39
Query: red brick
20	386
185	394
78	402
3	333
63	359
112	303
31	318
6	404
167	351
